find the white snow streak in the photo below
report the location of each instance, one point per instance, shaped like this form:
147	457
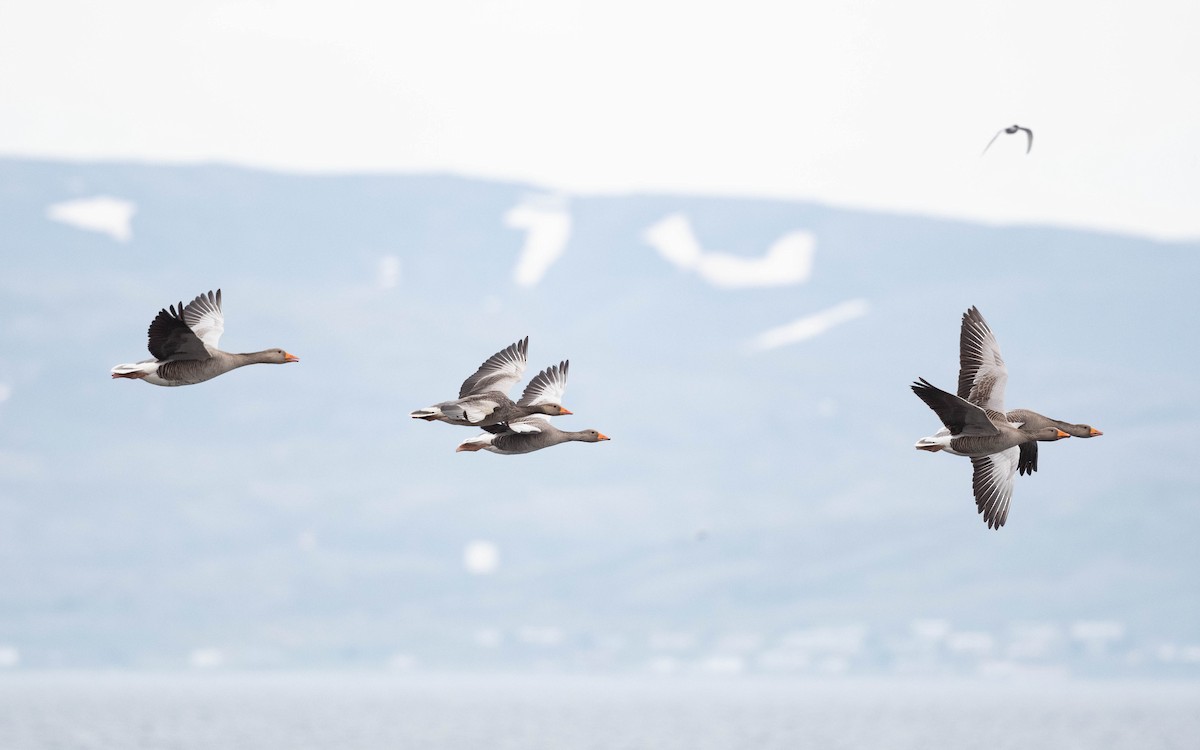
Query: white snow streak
548	226
789	260
102	213
810	326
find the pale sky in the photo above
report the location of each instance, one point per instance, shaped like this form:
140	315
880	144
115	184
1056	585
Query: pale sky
872	104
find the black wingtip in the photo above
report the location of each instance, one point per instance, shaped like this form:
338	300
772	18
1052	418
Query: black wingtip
921	384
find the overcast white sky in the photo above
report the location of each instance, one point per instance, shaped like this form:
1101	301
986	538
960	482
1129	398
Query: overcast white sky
874	104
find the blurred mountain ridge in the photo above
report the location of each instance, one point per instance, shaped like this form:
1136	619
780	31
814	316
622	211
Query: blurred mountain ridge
298	510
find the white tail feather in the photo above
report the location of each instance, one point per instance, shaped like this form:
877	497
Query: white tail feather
479	442
147	367
938	442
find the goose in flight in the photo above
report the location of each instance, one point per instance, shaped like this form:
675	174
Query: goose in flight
533	432
978	361
184	344
483	398
976	424
988	439
1031	420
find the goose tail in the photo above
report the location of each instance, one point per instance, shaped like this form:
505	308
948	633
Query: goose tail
477	443
135	370
933	443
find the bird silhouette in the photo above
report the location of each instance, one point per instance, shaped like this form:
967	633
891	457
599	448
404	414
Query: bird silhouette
1010	131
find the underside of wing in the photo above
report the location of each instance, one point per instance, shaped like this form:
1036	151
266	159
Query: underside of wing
170	338
994	137
992	484
475	410
529	424
547	387
500	372
982	375
520	426
203	315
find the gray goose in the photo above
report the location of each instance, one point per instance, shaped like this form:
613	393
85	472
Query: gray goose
975	421
534	432
988	439
1031	420
184	345
483	398
1010	131
979	363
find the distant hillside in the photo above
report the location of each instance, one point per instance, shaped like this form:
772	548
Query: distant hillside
755	482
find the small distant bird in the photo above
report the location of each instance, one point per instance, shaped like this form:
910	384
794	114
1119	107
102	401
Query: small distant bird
483	398
184	345
534	432
1010	131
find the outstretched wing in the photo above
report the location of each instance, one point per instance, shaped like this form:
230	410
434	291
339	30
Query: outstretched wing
500	372
960	416
547	387
981	371
993	485
1029	135
994	137
170	338
203	315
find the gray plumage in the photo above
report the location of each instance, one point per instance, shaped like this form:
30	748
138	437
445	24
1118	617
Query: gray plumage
507	442
972	432
533	432
1028	419
994	456
976	424
982	375
483	399
184	341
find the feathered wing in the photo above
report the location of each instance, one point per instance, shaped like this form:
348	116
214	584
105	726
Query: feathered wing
1029	143
203	315
500	372
960	416
993	485
493	432
547	387
982	375
994	137
170	338
523	425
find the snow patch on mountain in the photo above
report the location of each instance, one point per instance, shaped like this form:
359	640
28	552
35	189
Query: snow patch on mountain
102	213
548	227
810	326
789	260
